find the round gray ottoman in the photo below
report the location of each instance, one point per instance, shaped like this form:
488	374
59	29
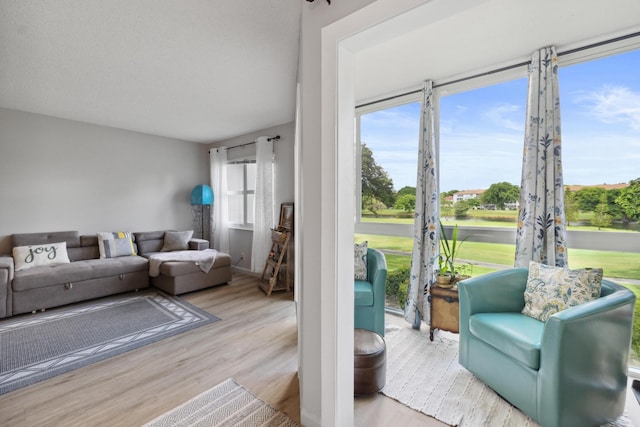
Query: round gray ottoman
370	362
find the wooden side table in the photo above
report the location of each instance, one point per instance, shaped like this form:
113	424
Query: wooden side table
445	310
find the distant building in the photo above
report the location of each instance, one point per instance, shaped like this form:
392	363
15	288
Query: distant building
475	194
466	195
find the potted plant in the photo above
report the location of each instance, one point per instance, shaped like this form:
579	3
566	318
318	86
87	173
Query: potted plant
443	275
448	252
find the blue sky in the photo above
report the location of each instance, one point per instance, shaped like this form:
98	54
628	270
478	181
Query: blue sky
482	131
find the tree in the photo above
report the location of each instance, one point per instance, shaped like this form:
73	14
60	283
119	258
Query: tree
571	210
406	202
446	207
406	190
473	203
589	197
601	217
461	208
375	180
372	204
500	193
629	200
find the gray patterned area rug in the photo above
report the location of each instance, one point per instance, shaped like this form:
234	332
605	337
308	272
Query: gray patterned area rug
35	347
227	404
427	377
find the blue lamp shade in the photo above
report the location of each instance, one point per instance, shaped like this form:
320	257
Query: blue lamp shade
202	195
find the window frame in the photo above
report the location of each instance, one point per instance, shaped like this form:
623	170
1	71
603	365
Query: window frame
245	192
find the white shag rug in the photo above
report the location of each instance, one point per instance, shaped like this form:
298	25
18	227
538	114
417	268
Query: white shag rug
427	377
226	404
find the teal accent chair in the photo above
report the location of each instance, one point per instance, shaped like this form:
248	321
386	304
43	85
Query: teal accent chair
369	294
569	371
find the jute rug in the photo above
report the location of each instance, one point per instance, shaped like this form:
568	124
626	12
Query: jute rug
34	347
227	404
427	377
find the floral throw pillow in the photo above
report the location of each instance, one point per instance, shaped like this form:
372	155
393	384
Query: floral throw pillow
360	260
553	289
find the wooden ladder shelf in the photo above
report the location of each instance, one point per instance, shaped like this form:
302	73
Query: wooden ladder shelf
277	260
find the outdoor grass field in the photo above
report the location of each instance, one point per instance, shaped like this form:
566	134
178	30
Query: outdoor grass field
481	218
623	265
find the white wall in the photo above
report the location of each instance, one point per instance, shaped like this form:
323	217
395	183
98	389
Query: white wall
58	174
241	240
314	411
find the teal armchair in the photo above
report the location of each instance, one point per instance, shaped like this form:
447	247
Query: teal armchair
569	371
369	294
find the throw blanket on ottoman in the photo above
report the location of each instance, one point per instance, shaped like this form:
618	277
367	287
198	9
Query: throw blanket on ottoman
203	259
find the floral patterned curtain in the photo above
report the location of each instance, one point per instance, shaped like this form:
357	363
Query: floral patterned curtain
425	226
541	234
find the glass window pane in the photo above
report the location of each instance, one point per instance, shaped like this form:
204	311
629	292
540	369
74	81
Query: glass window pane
235	177
600	110
250	214
251	176
236	208
481	138
389	142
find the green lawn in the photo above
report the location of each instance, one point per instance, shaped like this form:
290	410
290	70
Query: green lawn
481	218
615	264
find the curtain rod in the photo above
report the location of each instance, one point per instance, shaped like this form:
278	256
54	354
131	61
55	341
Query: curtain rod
506	68
273	138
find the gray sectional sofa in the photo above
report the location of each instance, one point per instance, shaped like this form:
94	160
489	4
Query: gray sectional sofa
87	276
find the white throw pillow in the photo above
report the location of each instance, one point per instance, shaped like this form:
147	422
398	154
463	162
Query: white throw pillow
115	244
553	289
360	261
25	257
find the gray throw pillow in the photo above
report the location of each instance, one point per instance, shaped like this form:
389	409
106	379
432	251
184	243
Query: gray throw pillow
176	240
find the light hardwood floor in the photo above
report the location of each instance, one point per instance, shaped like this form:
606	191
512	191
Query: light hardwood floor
255	343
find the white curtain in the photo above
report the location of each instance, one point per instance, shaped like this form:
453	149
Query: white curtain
425	226
263	220
219	223
541	234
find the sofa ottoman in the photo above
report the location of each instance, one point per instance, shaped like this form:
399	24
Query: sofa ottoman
178	277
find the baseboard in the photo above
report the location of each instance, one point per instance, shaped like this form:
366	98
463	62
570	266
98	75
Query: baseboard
309	420
245	271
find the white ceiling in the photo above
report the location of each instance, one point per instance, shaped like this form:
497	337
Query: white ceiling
208	70
443	39
197	70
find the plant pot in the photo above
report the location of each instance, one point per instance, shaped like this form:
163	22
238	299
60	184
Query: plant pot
443	280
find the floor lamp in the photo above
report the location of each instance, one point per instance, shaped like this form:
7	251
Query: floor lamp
201	202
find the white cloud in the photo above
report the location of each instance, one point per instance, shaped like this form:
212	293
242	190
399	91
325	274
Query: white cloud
508	116
391	118
613	104
460	109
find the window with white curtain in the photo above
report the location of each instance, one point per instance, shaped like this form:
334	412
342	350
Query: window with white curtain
241	176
